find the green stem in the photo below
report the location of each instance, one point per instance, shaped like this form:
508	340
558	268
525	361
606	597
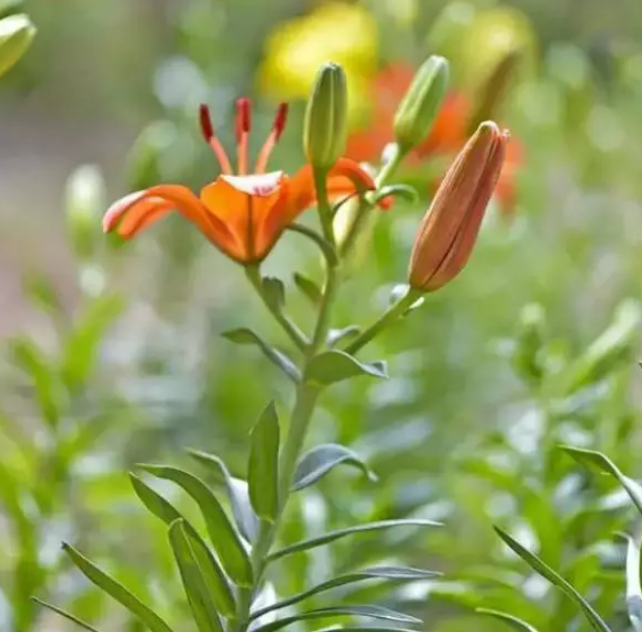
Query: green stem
293	332
366	206
306	397
393	313
325	212
325	247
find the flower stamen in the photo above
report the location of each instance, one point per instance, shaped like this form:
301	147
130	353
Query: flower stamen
273	138
210	138
243	124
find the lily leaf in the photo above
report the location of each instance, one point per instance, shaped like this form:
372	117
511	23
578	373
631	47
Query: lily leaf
512	621
375	612
382	572
244	336
214	576
263	465
603	463
335	336
63	613
224	538
320	460
557	580
335	366
196	589
237	491
341	533
308	288
116	590
274	292
633	589
402	191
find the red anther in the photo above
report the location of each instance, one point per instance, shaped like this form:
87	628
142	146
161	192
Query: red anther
280	120
206	123
243	116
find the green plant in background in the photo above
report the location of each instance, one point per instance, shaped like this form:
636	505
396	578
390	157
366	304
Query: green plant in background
229	582
71	416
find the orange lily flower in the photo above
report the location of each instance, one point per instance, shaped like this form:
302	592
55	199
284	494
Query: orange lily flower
243	215
447	136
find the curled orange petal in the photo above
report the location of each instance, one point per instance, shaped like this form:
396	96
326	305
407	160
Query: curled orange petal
141	209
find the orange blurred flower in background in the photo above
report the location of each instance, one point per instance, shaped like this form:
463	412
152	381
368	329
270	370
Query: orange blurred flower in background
243	215
447	136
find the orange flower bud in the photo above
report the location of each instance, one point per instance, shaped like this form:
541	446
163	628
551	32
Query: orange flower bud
449	230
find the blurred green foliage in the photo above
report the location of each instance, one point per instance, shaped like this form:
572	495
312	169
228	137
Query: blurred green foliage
532	347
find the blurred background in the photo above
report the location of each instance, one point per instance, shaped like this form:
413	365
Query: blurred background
113	353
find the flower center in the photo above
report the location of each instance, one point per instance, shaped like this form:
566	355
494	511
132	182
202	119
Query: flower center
257	184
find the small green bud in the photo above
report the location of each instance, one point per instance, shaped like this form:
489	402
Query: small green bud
421	103
84	203
16	34
146	160
326	118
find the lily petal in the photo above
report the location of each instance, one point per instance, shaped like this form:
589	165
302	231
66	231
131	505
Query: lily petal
344	178
139	210
243	204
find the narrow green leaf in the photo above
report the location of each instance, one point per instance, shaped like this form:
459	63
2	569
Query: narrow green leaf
400	573
116	590
213	574
633	588
335	336
225	539
557	580
196	589
603	463
263	466
335	366
340	533
512	621
79	352
375	612
274	292
402	191
67	615
237	492
320	460
28	357
244	336
308	288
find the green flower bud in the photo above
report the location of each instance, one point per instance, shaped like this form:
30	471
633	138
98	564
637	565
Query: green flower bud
421	103
16	33
326	120
84	203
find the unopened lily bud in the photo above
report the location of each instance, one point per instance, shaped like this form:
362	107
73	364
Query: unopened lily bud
16	33
85	203
326	118
419	107
448	232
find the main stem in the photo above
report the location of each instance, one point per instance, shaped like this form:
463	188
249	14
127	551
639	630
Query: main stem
306	397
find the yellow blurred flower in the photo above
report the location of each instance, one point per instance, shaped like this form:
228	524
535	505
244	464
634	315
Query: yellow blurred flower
342	33
494	34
